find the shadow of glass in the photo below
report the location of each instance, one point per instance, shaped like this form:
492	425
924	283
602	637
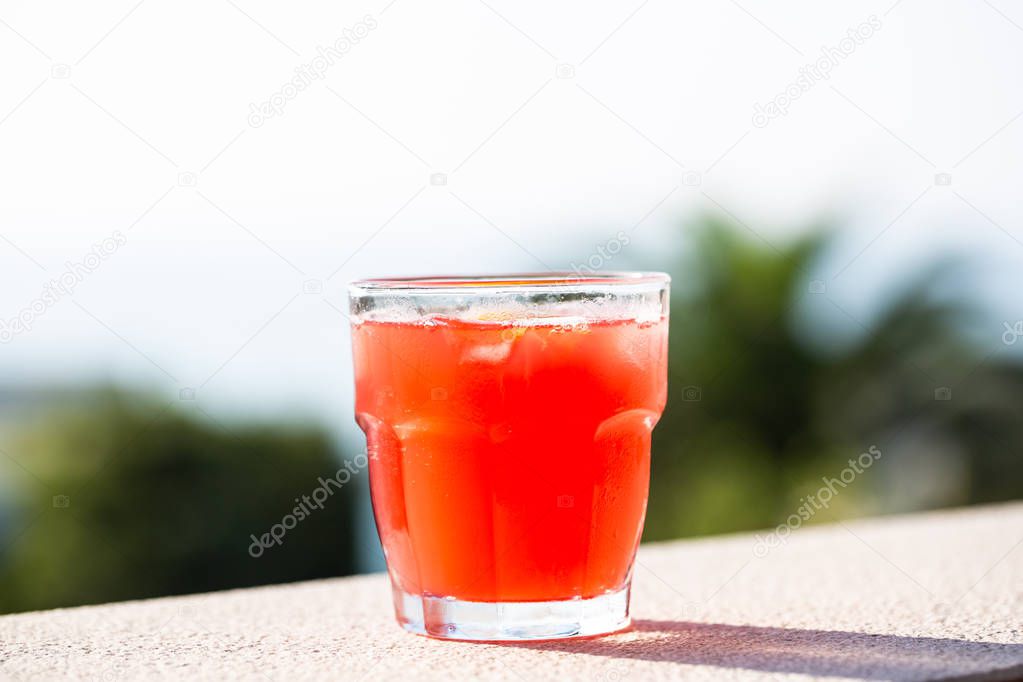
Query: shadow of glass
810	652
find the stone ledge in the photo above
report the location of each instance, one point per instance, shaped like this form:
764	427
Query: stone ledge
926	597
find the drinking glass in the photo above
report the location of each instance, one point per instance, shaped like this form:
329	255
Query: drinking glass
508	422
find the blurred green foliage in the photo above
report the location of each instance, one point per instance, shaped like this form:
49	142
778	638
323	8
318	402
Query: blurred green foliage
758	413
121	498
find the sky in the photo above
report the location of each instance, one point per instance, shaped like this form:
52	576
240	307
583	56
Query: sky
224	208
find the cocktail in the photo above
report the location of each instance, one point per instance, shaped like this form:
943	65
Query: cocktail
508	426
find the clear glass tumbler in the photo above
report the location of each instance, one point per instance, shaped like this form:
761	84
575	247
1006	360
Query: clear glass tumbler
508	426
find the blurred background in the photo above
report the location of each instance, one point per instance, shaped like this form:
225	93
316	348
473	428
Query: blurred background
187	187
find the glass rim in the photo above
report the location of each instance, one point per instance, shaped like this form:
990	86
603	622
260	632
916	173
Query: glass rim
547	282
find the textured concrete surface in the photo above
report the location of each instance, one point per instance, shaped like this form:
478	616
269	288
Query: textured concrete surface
927	597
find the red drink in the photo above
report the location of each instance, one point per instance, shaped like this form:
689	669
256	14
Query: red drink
509	460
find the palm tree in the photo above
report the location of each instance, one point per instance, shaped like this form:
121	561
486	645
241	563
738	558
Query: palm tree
759	412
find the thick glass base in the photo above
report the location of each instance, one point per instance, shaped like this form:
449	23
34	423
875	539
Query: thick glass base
450	618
